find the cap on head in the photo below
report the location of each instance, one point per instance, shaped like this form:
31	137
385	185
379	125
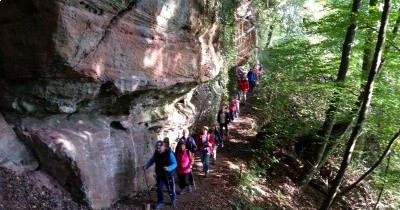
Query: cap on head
205	128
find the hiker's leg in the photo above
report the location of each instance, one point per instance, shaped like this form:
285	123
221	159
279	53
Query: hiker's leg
215	153
202	158
206	162
181	181
171	183
221	127
160	186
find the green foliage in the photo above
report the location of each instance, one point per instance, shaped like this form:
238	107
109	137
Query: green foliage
116	3
247	180
303	62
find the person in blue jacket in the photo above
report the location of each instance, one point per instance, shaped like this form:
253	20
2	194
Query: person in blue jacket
166	164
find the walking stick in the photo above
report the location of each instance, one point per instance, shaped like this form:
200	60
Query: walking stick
192	177
147	205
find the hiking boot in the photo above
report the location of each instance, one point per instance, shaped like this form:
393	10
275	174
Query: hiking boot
182	191
159	206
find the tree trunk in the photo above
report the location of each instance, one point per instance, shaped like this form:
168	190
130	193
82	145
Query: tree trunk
269	38
385	153
394	35
362	115
311	168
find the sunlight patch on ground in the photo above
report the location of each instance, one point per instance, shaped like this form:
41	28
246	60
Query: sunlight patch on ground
232	165
238	141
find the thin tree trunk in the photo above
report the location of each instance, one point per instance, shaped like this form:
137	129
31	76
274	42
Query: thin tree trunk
394	35
269	37
383	186
311	168
332	145
363	109
385	153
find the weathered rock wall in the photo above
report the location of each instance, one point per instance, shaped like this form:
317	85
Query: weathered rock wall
91	85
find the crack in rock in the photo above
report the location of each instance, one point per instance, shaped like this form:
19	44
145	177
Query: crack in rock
114	20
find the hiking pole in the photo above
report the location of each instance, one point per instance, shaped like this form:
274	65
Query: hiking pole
147	205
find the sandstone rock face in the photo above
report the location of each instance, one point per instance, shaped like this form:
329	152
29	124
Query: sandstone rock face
13	154
91	85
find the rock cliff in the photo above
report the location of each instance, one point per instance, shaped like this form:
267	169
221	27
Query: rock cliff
89	86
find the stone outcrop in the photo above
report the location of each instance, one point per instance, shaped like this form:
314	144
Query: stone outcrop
13	153
91	85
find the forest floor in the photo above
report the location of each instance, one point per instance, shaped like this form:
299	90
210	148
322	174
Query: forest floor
220	190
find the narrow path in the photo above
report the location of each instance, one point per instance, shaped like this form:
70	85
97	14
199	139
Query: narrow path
217	191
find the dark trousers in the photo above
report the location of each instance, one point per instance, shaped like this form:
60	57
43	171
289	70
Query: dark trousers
183	180
169	182
223	125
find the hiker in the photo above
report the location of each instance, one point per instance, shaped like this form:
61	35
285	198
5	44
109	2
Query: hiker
188	141
243	88
223	120
232	109
190	144
166	143
166	164
242	81
237	104
205	144
218	140
240	73
258	72
185	161
252	78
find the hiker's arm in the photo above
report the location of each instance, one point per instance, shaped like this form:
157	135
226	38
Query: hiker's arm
194	146
191	159
149	163
172	160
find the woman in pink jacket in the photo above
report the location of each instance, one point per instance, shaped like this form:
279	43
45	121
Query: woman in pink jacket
185	161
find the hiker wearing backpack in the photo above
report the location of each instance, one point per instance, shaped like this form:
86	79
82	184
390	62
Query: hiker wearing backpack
223	120
188	141
205	144
190	144
252	77
185	161
166	164
218	139
242	82
232	110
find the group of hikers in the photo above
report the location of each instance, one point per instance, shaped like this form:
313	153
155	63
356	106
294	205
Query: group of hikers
168	163
178	162
247	81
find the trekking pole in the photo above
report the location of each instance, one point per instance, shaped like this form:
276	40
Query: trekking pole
192	177
147	206
169	189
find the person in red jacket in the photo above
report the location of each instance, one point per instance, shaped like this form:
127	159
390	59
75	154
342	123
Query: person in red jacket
185	162
205	145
